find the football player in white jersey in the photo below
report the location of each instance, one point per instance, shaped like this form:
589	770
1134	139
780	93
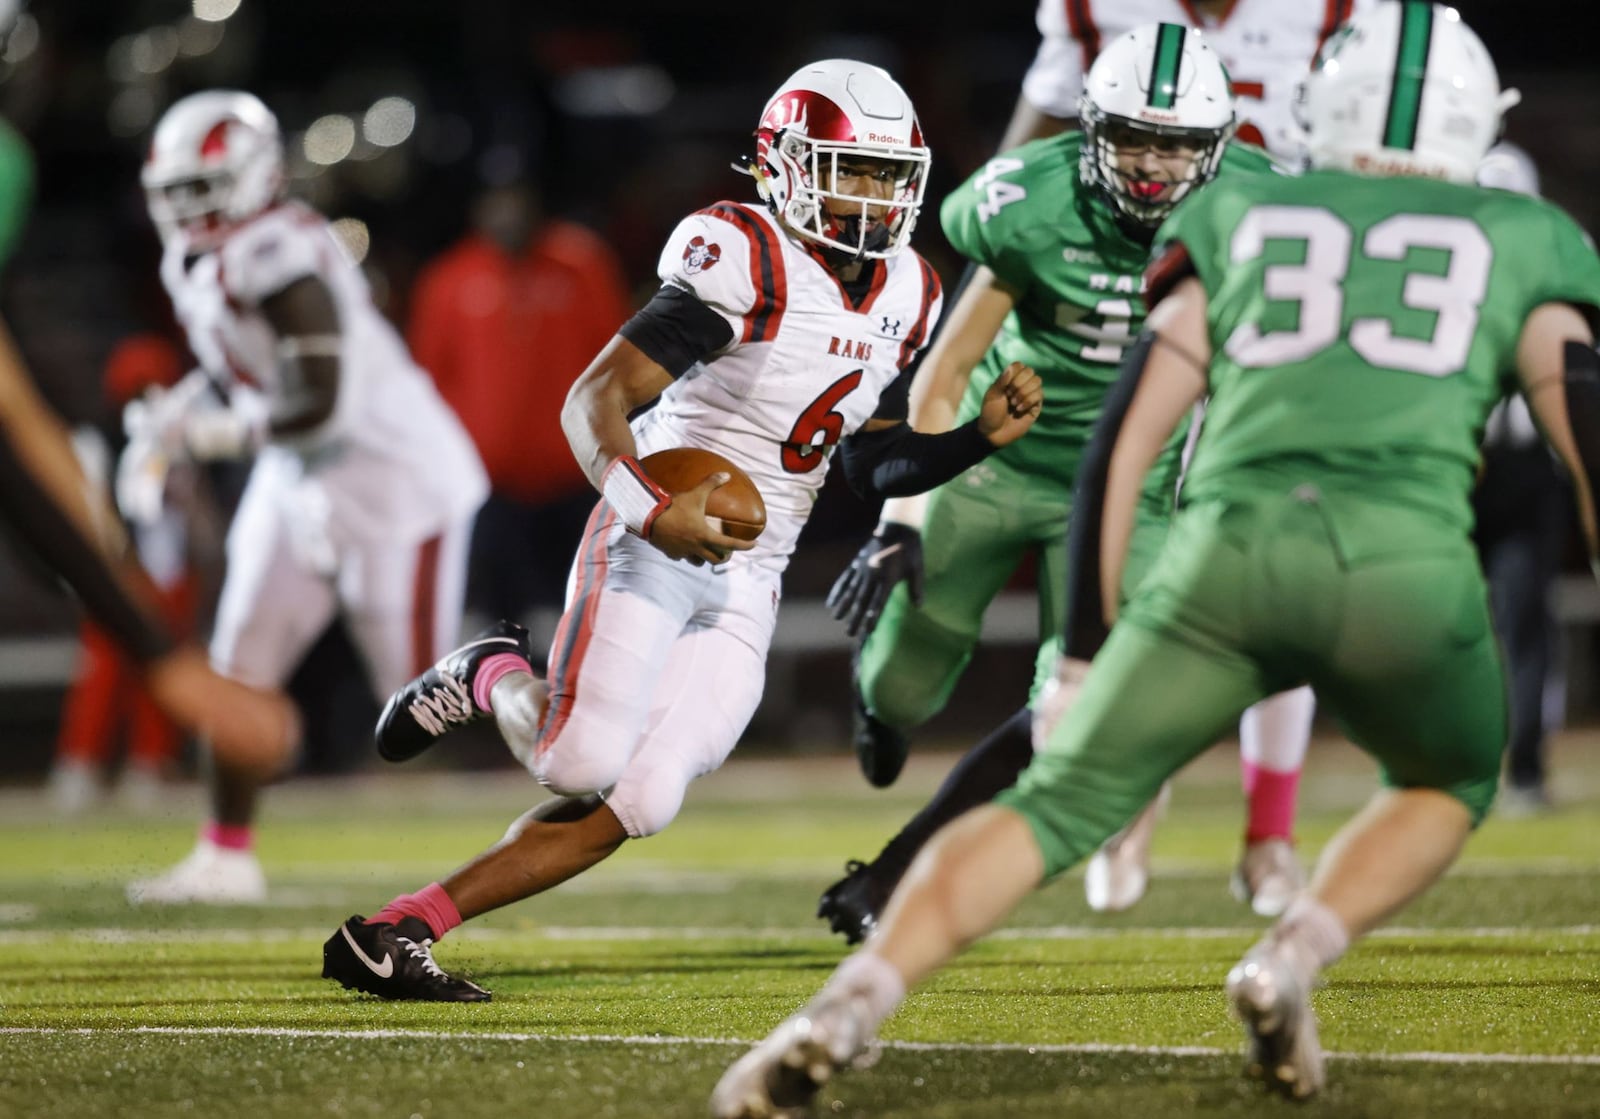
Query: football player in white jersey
780	333
364	487
1267	45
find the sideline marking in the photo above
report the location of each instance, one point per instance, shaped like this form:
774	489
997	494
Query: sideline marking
271	935
912	1046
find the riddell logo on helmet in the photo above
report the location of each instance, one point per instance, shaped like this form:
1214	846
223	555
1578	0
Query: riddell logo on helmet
880	138
1159	118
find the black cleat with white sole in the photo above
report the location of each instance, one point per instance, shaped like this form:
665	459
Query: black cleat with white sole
440	700
393	962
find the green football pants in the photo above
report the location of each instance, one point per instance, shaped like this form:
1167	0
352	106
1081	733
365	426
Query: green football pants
1384	612
978	529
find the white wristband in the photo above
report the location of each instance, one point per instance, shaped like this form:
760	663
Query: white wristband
637	499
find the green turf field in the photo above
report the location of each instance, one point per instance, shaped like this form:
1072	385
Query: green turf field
626	992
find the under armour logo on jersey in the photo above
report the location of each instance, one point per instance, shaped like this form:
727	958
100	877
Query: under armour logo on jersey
889	326
698	256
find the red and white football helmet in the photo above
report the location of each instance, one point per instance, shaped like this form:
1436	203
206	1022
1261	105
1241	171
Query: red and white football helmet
216	159
832	110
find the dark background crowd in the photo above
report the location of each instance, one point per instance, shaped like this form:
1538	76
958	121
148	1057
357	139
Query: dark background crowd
507	170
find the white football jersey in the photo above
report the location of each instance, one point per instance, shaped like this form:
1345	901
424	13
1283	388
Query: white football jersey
1267	45
394	459
805	367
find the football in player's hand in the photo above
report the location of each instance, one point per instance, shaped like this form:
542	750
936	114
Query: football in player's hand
737	503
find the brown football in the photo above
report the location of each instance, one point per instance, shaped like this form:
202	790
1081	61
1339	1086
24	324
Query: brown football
737	502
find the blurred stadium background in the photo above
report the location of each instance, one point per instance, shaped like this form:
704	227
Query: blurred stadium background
626	114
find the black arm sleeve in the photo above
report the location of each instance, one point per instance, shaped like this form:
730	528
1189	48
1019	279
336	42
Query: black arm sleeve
898	462
894	402
1582	384
38	520
1085	626
675	329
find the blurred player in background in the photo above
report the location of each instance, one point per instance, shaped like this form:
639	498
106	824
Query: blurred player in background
361	498
781	332
49	506
910	661
1353	327
1266	45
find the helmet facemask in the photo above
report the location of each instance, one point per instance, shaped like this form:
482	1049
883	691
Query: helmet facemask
840	159
1157	115
1139	191
860	226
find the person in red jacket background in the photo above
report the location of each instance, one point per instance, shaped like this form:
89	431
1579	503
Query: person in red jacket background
505	320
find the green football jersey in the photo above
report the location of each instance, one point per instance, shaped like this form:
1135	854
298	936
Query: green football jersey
16	188
1363	328
1031	221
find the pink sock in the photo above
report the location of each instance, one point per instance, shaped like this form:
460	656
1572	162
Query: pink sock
430	905
1272	802
490	673
230	837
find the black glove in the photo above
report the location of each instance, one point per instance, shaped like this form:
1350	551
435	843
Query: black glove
893	553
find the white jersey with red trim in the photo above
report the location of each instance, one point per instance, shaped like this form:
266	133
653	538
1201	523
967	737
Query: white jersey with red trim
1267	45
394	459
805	367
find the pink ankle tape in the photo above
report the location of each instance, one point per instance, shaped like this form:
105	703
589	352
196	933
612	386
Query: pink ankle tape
230	837
1272	796
491	672
430	905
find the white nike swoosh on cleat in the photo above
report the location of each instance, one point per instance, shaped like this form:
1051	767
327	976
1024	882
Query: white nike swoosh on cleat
383	970
875	560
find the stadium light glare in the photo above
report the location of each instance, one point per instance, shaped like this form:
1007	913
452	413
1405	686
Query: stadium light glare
330	139
389	122
215	11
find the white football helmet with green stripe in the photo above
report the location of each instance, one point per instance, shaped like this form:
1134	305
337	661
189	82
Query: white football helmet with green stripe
1404	89
1160	84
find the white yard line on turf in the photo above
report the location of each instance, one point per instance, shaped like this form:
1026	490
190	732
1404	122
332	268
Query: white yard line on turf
118	935
917	1046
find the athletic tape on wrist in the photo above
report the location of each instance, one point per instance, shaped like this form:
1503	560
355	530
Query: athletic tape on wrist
637	499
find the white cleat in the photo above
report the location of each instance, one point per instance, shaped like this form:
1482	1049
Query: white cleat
210	875
1268	877
1267	995
780	1076
1119	873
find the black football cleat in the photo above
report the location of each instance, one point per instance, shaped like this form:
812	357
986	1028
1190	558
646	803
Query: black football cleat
880	748
440	700
393	962
852	904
